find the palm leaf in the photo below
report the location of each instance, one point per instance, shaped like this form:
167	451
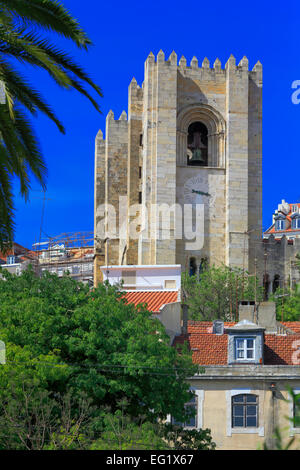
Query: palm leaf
6	202
20	155
50	15
25	94
23	154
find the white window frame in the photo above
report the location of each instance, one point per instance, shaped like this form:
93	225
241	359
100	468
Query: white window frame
244	349
280	225
199	410
260	430
296	223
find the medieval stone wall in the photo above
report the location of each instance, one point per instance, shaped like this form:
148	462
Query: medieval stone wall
144	159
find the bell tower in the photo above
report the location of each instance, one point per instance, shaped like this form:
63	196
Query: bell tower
193	138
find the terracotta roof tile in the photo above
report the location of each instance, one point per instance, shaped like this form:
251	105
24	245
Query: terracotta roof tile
284	350
211	349
292	325
154	299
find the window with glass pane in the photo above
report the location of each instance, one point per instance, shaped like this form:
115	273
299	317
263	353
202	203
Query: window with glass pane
245	411
280	224
191	407
296	223
244	348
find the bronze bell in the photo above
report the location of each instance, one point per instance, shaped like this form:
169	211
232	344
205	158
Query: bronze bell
198	150
198	156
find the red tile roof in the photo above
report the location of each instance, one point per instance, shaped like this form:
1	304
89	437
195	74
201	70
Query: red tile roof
210	349
154	299
284	350
204	326
17	250
289	222
292	325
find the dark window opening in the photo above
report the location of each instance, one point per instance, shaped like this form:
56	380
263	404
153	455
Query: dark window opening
266	286
141	140
140	198
140	172
276	283
197	145
245	411
193	267
202	265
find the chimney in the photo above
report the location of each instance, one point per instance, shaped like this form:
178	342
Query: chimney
267	316
247	310
184	313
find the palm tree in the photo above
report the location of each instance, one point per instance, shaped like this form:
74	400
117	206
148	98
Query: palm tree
23	24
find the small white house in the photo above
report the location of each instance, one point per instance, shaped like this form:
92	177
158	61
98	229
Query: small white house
144	277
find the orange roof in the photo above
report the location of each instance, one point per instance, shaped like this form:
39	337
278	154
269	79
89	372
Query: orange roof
210	349
282	349
288	218
292	325
154	299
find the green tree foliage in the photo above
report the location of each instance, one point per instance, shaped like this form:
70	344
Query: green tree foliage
122	432
24	26
287	304
125	433
182	439
112	348
216	292
62	339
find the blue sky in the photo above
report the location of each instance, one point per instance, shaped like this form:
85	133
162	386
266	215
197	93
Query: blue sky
123	34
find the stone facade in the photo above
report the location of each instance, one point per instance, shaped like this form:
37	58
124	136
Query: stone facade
144	159
218	385
278	266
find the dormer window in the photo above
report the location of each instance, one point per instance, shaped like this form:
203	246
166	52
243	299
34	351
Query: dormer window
279	223
295	221
245	343
11	259
244	349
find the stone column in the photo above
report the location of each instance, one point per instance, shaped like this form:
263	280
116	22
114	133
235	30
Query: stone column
237	164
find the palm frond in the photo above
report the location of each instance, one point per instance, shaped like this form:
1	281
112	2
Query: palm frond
6	202
13	43
25	93
63	59
20	155
50	15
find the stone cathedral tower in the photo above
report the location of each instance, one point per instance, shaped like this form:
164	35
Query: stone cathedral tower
193	136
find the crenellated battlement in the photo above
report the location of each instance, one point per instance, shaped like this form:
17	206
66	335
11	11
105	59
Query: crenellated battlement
134	88
99	135
283	241
135	94
110	119
205	67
